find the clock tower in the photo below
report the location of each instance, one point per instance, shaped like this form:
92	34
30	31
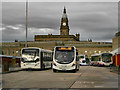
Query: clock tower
64	28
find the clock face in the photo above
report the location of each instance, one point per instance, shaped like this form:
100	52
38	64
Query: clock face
64	24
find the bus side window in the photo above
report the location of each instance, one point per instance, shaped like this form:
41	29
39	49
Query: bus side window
99	58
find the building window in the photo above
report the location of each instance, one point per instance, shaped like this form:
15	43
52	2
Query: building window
2	53
17	52
13	52
104	51
85	51
95	51
99	51
9	52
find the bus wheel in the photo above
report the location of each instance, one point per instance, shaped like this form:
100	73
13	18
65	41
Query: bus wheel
74	71
54	70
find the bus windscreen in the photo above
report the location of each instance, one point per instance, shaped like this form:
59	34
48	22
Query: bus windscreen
30	52
64	55
107	57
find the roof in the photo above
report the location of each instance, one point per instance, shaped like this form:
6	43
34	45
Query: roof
55	36
116	51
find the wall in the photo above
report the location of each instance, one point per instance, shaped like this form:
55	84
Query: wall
14	48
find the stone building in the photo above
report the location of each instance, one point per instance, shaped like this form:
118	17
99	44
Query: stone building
116	41
116	44
84	47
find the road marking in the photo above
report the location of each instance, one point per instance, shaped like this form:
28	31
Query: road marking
98	86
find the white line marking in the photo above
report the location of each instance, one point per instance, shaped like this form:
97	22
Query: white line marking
98	86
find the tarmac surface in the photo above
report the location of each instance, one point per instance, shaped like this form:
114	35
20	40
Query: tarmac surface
86	77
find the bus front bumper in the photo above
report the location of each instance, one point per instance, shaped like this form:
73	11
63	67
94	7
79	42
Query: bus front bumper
64	67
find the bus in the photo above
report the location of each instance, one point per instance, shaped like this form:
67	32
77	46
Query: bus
36	58
65	59
83	60
103	59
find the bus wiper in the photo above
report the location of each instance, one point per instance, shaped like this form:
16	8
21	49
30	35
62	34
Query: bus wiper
60	61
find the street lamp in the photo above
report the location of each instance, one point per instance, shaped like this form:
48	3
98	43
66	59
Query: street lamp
26	21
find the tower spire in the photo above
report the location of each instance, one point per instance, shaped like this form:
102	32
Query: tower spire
64	9
64	28
64	13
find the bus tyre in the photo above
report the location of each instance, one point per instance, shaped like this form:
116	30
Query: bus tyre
54	70
74	71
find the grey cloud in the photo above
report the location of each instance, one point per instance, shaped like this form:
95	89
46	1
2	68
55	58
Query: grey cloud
88	19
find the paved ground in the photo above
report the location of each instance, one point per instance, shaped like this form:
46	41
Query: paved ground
86	77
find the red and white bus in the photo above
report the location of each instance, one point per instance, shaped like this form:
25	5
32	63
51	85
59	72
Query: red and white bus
103	59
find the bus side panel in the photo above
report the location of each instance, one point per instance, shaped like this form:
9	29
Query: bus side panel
47	59
114	59
118	59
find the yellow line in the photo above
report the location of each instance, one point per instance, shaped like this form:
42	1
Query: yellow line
116	59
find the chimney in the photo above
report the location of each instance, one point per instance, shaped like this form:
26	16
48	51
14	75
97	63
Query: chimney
77	36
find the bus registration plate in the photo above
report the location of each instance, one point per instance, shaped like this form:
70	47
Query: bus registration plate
63	67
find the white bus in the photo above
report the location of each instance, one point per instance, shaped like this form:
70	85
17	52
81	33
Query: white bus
83	60
65	58
103	59
36	58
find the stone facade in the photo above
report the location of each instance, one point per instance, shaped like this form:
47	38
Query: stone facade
89	48
55	38
116	41
64	28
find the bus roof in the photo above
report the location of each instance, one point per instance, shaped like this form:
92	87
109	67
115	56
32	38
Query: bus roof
65	46
82	55
38	48
97	54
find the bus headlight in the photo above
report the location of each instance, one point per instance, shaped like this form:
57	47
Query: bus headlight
54	64
22	64
74	64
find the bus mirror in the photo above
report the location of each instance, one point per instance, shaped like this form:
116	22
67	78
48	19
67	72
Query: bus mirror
76	53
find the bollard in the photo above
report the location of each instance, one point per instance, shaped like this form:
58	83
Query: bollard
5	66
12	65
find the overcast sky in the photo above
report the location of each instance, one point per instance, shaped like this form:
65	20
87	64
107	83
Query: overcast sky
93	20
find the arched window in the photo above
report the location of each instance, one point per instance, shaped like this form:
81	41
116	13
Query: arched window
85	51
99	51
95	51
9	52
2	53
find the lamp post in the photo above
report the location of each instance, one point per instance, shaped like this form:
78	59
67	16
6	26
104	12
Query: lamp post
26	22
